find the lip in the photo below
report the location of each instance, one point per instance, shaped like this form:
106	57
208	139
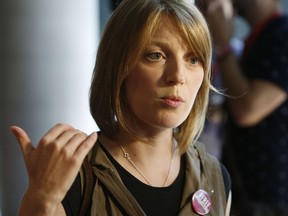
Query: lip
173	101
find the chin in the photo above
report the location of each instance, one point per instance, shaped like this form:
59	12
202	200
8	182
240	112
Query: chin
171	123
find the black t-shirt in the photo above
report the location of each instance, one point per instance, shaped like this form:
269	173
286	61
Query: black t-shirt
154	200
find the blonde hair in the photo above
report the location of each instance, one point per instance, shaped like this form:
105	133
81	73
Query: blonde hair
124	39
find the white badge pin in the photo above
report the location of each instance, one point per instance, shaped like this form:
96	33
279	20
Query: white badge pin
201	202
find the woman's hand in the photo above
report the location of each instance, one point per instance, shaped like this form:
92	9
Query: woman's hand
53	164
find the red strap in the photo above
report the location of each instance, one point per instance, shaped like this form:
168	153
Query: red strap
256	31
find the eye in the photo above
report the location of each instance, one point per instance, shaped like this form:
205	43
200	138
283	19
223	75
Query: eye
194	60
155	56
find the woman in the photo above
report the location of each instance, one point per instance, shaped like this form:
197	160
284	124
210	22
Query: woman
149	95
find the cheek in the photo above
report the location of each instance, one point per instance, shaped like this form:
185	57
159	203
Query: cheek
131	82
196	81
194	86
136	86
140	82
200	79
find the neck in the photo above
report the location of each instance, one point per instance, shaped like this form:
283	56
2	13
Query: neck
126	155
156	146
152	148
155	155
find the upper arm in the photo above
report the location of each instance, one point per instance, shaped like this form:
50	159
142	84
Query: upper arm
262	98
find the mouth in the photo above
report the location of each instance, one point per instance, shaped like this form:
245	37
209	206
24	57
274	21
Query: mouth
173	101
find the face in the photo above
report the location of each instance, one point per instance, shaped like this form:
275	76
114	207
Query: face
162	86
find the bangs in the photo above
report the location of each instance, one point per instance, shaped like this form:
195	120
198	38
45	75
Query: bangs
195	33
190	24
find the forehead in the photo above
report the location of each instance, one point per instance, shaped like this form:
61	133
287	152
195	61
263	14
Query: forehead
168	29
167	25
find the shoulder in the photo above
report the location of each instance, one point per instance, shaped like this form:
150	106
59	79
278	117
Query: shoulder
211	163
277	28
205	157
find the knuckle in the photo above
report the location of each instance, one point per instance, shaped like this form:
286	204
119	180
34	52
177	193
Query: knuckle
65	153
60	125
43	141
81	135
55	146
80	132
90	140
87	143
75	160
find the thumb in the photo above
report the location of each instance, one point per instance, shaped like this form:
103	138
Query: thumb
23	140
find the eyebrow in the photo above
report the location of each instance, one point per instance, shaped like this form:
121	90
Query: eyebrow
167	44
159	43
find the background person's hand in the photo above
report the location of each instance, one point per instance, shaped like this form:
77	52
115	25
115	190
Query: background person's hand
219	15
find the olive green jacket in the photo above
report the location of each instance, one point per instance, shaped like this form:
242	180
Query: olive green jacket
203	171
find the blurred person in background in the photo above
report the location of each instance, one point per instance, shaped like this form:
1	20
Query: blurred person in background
212	135
256	146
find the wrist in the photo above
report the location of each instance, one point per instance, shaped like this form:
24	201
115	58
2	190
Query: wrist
34	203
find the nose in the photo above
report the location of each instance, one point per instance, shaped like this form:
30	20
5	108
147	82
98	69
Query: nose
175	71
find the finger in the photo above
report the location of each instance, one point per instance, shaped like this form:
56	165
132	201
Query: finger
77	139
228	10
70	136
54	133
86	146
23	140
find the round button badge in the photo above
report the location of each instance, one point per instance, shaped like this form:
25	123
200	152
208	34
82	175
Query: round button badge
201	202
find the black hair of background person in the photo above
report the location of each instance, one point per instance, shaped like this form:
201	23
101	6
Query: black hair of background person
115	3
